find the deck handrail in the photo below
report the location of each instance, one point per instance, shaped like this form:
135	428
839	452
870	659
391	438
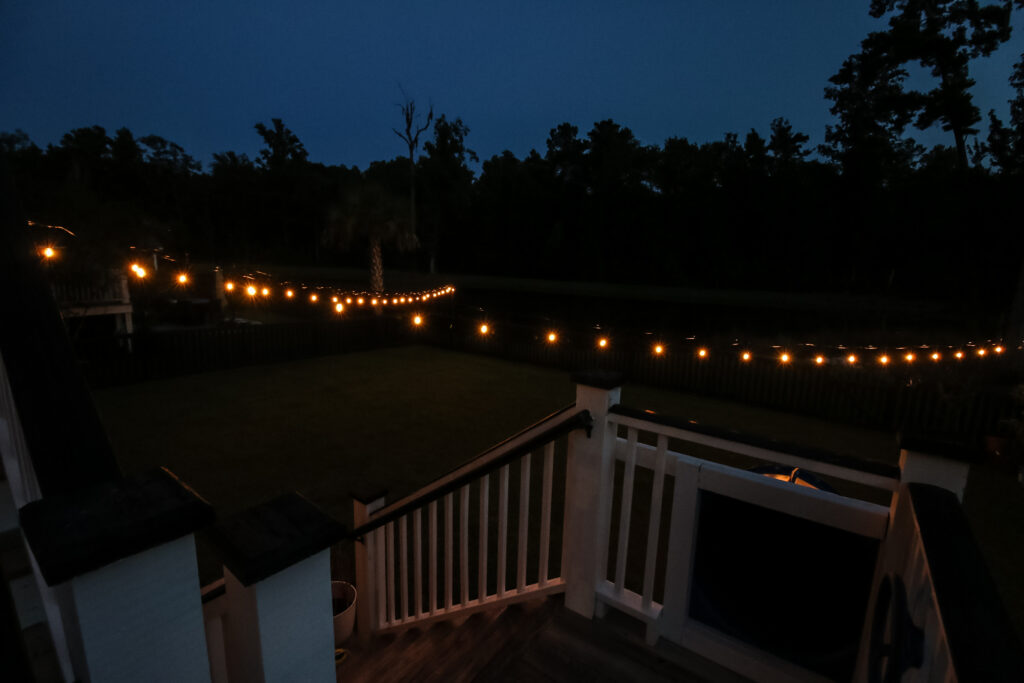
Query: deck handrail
711	435
547	430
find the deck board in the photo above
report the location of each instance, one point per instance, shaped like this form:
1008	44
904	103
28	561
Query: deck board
537	640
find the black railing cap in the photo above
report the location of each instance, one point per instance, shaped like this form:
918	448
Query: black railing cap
269	537
77	533
599	379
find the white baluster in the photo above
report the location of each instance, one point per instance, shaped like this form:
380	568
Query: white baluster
449	501
389	557
417	560
625	514
524	519
545	514
403	555
432	521
655	523
464	546
502	527
381	568
485	490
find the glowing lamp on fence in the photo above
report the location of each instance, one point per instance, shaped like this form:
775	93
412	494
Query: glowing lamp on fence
359	301
334	299
884	360
373	302
134	267
909	358
745	357
230	286
265	292
394	300
182	279
602	343
552	337
339	307
936	356
959	354
250	290
981	352
417	320
998	349
784	358
348	299
384	302
313	298
49	252
484	329
289	293
851	359
702	353
819	360
140	272
658	349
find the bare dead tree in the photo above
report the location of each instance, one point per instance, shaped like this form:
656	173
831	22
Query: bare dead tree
411	137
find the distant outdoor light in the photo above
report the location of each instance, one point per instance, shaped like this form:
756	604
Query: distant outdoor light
313	297
959	354
182	279
230	286
394	300
851	359
784	358
417	320
703	353
658	349
265	292
998	349
602	343
135	267
250	290
484	329
348	299
140	272
402	299
384	302
746	356
884	360
49	252
373	302
339	307
936	356
289	293
359	301
334	299
552	337
981	352
819	360
909	357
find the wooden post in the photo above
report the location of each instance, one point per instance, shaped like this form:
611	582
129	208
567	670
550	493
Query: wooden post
362	507
588	491
939	463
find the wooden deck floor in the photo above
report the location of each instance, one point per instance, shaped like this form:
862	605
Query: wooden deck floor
530	641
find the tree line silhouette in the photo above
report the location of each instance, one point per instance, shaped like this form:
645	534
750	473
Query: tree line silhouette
869	211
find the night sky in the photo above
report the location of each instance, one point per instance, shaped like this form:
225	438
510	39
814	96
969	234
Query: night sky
202	73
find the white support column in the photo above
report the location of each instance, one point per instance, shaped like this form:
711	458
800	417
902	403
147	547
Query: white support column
362	508
938	470
588	492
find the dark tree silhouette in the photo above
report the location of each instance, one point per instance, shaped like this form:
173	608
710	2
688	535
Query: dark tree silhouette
1006	142
448	180
410	135
282	147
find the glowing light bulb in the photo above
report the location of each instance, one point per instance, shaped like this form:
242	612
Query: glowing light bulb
819	360
784	358
936	356
359	301
313	297
552	337
135	267
484	329
745	357
334	299
417	320
909	357
49	252
402	299
998	349
373	302
289	293
348	299
703	353
339	307
140	272
981	352
230	286
250	290
884	360
602	343
182	279
265	292
851	359
658	349
959	354
394	300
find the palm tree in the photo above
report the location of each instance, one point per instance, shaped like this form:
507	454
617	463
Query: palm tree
369	211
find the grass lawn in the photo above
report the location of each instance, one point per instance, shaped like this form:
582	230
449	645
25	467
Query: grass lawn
399	418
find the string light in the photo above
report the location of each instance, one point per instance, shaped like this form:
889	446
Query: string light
348	300
658	349
334	299
417	320
702	353
265	291
484	329
140	272
998	349
784	358
339	307
182	279
552	337
373	302
250	290
745	357
909	357
360	301
230	286
289	293
959	355
49	252
851	359
602	343
936	356
819	360
313	298
981	352
884	360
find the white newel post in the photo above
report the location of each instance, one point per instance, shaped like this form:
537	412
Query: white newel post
921	467
588	491
362	507
121	560
277	578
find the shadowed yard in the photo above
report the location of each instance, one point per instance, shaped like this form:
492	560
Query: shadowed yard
399	418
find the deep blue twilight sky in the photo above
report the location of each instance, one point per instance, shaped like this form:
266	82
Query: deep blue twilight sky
202	73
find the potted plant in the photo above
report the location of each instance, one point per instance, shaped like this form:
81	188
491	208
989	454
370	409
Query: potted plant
343	601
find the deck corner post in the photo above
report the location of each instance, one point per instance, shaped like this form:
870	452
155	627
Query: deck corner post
588	491
935	462
362	508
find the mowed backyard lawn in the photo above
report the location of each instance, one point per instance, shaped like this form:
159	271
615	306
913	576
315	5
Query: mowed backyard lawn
399	418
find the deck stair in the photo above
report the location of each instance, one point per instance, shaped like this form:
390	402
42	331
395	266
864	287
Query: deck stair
535	640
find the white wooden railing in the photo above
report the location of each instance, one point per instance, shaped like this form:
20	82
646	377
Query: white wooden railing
415	545
113	290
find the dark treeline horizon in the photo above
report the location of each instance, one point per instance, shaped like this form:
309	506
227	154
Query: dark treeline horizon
868	212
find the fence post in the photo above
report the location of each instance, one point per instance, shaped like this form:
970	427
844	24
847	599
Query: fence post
938	463
362	507
589	471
